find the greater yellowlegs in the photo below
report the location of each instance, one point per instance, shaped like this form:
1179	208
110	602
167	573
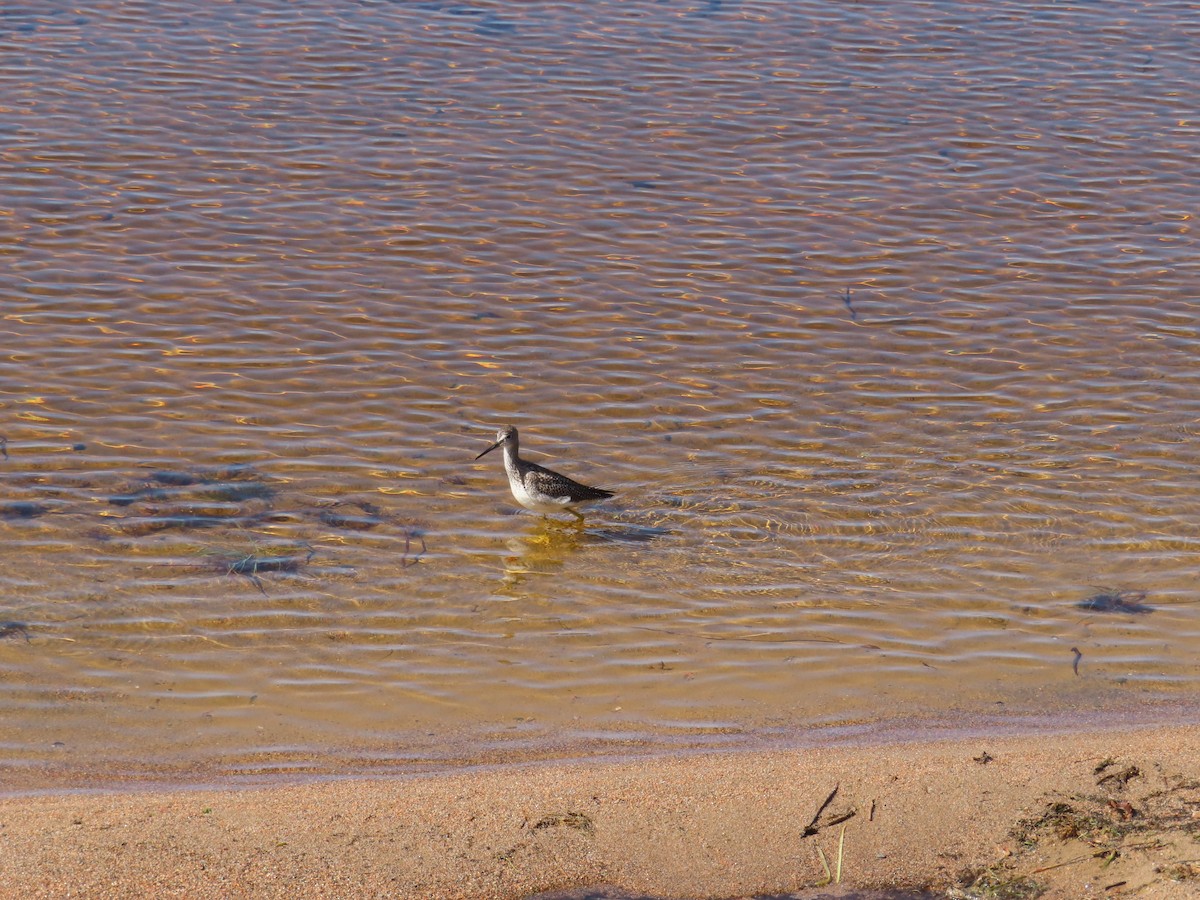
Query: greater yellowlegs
540	489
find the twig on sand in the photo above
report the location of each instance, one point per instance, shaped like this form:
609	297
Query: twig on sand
1107	855
812	826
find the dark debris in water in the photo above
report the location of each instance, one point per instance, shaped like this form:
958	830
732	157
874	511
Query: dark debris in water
252	565
363	515
1114	601
128	498
137	526
174	478
11	629
235	482
496	26
367	517
413	533
185	499
23	509
237	491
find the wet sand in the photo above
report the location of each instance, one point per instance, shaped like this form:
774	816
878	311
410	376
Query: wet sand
907	814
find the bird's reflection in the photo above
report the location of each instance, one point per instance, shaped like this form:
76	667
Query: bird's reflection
548	543
543	549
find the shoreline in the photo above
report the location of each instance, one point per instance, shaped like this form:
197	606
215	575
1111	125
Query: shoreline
917	812
485	751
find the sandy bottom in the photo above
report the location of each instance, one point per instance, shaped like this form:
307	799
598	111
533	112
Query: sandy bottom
1092	814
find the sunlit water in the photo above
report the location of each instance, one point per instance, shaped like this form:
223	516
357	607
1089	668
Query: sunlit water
880	319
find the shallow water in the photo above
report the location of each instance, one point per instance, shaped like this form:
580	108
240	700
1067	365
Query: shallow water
880	321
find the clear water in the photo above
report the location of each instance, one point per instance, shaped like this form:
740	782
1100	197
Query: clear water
880	320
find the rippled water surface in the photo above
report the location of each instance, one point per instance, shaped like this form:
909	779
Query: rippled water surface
880	319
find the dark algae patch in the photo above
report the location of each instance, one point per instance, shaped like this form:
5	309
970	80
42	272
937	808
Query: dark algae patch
237	491
23	509
359	515
1113	601
174	478
252	565
190	499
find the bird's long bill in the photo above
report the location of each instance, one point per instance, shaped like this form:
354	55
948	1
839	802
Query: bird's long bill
489	449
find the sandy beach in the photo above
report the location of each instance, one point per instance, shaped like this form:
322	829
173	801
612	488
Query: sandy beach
1089	814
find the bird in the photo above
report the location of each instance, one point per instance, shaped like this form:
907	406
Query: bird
537	488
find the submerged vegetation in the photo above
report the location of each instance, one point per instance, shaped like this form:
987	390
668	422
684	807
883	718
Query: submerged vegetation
1117	601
